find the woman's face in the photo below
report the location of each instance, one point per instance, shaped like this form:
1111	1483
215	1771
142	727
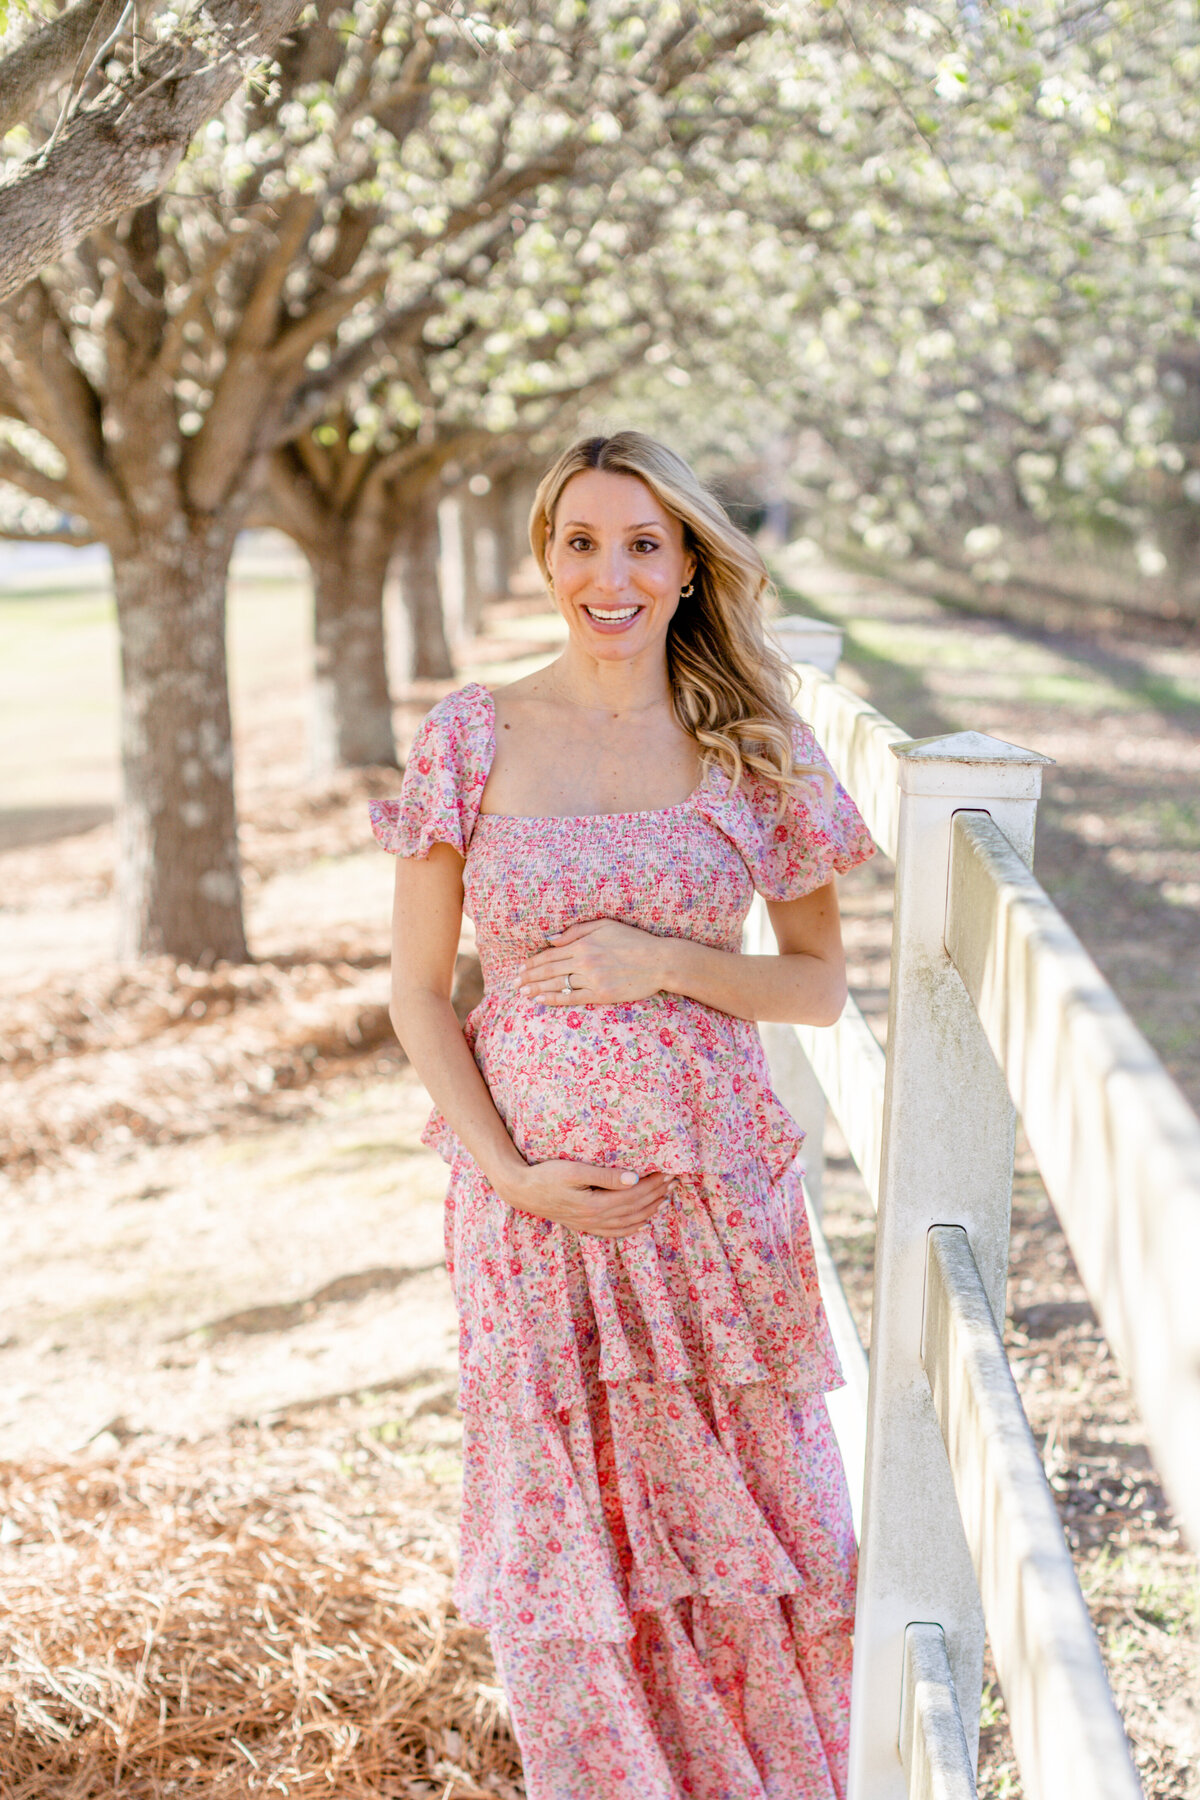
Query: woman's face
617	561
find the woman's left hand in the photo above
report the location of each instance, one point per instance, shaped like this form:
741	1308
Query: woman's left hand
608	963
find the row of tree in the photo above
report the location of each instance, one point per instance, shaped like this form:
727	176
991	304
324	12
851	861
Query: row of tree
954	246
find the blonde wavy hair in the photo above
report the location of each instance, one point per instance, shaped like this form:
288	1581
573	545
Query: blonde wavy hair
730	687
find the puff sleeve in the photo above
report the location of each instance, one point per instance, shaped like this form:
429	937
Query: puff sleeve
791	850
444	778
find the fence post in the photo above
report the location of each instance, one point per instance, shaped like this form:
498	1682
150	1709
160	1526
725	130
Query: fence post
948	1130
792	1075
809	641
453	569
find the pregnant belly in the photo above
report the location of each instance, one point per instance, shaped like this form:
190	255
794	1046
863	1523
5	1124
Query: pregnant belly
662	1084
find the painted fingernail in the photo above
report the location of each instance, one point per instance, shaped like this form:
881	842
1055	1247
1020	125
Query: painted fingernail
629	1179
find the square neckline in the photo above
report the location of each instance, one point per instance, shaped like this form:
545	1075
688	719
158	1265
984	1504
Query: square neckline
652	812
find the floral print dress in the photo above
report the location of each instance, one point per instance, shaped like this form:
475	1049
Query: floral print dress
656	1530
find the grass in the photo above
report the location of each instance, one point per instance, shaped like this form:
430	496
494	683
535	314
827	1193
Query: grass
1174	822
60	677
1148	1589
1029	672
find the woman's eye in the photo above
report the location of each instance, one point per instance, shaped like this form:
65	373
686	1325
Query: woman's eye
579	543
646	544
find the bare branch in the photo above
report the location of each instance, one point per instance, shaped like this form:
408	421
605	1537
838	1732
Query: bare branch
291	499
401	326
260	311
354	227
501	192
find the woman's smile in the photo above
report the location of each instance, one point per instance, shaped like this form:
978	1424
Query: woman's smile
612	618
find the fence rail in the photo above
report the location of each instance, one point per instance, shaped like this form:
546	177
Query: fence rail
1065	1728
993	1005
1117	1145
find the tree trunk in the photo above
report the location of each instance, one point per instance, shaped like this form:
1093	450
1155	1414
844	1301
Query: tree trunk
454	573
417	552
352	709
178	874
487	527
472	586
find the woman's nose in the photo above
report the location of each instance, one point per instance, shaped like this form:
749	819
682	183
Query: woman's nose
609	571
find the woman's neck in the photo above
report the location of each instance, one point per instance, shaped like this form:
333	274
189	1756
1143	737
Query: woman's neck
616	688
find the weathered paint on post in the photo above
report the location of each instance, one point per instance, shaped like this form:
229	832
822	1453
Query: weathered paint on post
947	1158
933	1745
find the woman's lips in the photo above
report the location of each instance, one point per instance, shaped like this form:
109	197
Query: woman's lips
628	616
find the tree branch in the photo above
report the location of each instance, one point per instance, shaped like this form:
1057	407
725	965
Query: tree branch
58	400
122	151
260	309
295	343
31	72
196	294
20	474
78	540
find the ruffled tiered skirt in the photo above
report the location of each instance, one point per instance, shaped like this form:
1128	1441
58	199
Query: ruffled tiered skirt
656	1529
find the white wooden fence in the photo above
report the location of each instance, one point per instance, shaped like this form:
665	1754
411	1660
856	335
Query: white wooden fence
994	1006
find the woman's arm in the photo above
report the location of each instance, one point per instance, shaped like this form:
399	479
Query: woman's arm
805	984
610	963
426	921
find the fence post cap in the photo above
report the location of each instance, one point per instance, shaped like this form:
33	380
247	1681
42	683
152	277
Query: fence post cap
969	763
809	640
804	622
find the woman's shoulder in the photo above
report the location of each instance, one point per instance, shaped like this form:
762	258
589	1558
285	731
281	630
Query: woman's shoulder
444	777
466	708
794	835
456	738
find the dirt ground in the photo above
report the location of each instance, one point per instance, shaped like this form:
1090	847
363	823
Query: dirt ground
223	1264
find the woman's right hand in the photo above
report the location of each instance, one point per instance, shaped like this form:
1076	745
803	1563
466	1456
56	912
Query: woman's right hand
607	1203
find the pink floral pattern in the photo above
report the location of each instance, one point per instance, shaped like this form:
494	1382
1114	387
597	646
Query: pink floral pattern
656	1530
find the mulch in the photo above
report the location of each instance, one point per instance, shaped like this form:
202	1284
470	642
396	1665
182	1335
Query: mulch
266	1613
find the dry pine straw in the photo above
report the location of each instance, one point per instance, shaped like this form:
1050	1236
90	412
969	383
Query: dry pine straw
264	1614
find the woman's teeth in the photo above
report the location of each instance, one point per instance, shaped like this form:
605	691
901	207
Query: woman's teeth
606	618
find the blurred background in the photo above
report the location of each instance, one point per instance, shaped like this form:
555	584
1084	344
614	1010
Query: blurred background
915	289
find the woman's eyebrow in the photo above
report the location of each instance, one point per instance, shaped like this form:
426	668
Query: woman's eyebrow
646	525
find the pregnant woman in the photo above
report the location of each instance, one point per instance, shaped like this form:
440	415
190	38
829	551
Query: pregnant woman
656	1530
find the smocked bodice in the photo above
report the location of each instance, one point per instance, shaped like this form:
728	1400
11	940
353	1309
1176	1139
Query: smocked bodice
668	872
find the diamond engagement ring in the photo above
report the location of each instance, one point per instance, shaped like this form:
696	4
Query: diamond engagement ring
566	986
